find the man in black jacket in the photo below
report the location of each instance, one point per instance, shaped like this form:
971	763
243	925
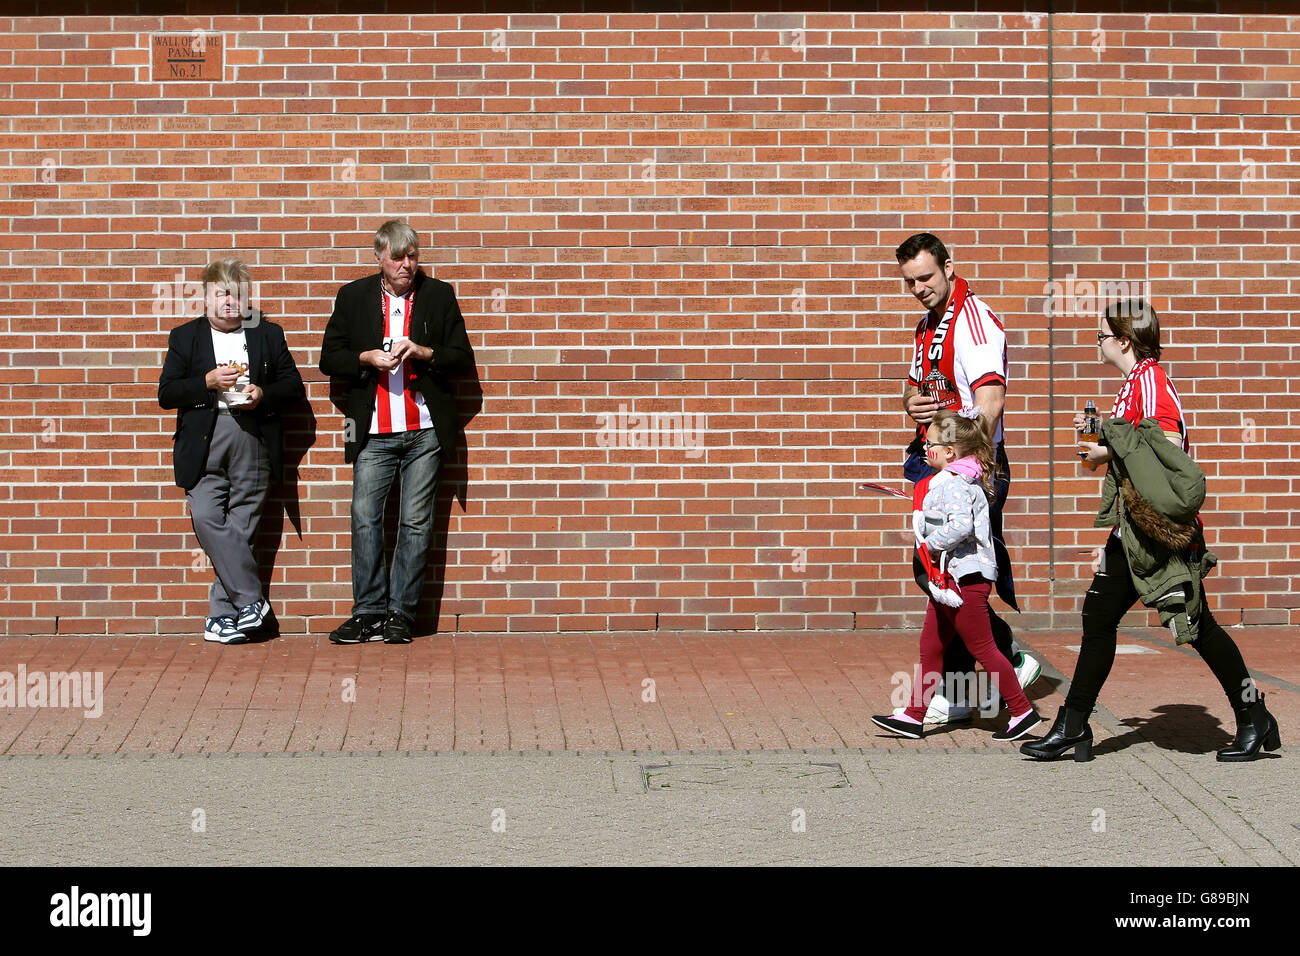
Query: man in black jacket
229	374
394	339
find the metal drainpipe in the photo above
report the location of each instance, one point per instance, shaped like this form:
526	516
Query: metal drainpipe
1051	329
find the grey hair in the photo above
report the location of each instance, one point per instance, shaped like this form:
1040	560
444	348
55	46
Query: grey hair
396	235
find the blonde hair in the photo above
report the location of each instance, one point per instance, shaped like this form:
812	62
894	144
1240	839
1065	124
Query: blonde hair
967	436
226	272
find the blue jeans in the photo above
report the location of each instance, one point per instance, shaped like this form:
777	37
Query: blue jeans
417	456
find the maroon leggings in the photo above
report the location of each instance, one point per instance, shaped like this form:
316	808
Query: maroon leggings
970	622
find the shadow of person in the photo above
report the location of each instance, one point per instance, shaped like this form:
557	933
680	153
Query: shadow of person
453	486
284	500
1045	686
1184	728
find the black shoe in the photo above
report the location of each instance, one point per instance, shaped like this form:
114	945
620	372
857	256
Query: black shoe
1256	728
904	728
1017	729
358	629
397	630
1069	731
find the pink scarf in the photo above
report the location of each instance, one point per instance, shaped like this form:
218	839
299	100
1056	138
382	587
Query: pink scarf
968	466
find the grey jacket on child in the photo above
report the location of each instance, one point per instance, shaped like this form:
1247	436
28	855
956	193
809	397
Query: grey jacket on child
954	517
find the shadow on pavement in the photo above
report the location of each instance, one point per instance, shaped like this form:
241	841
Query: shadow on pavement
1185	728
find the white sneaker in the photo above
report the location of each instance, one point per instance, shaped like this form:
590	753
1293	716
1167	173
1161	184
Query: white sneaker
956	714
222	630
941	711
253	616
1027	672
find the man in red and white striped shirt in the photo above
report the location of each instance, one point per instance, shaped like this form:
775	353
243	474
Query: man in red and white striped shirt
394	338
399	407
959	360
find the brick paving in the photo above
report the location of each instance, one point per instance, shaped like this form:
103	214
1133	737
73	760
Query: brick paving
540	749
587	692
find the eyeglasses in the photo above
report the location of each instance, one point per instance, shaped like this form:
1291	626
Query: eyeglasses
1103	336
936	444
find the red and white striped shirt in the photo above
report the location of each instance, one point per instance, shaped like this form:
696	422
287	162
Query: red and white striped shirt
399	406
980	351
1148	393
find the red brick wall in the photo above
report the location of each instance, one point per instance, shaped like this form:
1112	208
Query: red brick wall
688	214
1177	155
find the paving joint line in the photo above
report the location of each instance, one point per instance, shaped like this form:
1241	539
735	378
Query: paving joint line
784	753
1197	793
1225	818
1146	754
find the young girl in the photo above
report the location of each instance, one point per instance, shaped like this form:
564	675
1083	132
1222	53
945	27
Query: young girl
955	546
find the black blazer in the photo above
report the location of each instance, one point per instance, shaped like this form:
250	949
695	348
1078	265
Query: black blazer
357	326
182	387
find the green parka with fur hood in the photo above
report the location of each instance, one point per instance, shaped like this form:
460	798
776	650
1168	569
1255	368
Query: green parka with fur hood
1153	491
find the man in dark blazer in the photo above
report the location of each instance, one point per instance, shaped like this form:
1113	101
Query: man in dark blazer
229	374
394	339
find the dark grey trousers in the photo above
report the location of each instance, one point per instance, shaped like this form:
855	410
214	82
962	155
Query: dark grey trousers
225	507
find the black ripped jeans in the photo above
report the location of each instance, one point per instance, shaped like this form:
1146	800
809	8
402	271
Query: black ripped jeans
1107	601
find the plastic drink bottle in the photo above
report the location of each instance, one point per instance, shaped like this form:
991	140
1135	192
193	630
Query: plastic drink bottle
1091	430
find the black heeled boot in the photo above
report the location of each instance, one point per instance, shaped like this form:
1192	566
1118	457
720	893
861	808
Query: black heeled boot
1256	728
1069	730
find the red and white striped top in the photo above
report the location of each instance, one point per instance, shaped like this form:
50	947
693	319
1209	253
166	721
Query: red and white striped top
399	406
980	351
1148	393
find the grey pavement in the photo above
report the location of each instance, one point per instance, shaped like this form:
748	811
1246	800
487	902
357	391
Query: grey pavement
1142	806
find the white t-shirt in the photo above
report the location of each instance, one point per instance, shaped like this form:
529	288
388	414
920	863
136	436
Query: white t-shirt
231	348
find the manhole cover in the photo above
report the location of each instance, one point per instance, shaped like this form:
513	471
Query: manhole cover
744	775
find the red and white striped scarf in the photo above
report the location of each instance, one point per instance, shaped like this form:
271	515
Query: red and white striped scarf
937	353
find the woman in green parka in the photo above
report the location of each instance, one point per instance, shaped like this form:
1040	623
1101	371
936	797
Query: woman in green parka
1156	551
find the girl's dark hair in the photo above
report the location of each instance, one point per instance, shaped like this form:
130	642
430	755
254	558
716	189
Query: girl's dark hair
1135	320
968	437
